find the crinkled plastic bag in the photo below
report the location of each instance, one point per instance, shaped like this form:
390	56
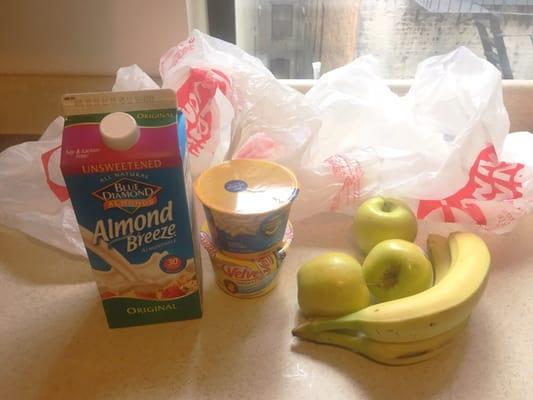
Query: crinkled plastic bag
33	196
438	147
207	72
271	121
439	144
443	147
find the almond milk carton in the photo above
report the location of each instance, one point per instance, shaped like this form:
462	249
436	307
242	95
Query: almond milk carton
123	158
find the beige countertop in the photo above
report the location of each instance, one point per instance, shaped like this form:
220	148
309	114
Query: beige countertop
55	344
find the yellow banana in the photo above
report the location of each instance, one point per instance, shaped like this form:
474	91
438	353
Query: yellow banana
387	352
439	255
428	313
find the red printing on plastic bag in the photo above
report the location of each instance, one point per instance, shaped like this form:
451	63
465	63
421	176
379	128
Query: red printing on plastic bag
489	179
172	56
59	191
349	172
194	98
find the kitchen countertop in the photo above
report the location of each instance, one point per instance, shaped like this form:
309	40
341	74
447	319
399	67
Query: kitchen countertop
55	344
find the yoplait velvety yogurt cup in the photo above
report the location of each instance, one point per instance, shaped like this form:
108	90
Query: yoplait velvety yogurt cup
246	278
247	205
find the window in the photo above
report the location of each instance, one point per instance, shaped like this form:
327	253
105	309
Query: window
281	21
400	33
280	67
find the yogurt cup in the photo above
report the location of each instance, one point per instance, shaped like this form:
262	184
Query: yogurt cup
247	204
246	278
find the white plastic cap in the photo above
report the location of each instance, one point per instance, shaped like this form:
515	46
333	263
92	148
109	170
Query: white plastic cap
119	131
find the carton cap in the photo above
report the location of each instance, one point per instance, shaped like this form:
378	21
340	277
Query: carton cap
119	131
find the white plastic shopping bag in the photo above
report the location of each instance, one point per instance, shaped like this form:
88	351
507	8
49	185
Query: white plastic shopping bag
33	196
351	136
444	147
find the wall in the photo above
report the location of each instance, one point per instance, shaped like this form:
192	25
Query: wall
245	24
65	46
92	37
392	31
197	15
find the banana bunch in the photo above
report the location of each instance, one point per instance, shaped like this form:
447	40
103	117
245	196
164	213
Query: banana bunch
415	328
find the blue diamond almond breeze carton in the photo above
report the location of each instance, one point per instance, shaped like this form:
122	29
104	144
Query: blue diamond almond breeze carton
124	161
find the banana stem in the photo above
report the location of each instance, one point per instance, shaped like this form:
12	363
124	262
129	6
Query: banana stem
351	342
308	328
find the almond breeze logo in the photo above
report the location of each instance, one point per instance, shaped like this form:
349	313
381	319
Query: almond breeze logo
128	195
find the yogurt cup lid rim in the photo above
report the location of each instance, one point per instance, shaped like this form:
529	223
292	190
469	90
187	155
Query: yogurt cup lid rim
213	206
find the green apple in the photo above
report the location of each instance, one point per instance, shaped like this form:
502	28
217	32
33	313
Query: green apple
330	285
396	268
381	218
